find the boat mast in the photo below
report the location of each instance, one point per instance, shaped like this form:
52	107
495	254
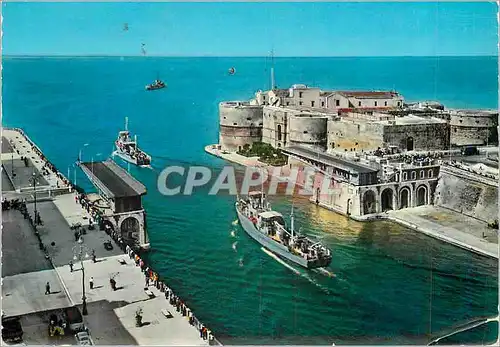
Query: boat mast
291	223
126	123
272	70
261	190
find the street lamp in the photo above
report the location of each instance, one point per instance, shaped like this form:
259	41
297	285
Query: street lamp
34	182
81	252
80	152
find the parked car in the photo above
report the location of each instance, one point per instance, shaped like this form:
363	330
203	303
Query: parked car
74	319
470	150
12	331
83	338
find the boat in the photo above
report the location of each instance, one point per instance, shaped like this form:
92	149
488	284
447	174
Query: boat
232	71
127	149
157	84
268	228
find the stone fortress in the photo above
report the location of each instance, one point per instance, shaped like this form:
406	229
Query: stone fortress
382	153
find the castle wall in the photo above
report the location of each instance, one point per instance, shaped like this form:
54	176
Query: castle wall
240	124
308	131
430	136
471	198
472	129
350	136
274	131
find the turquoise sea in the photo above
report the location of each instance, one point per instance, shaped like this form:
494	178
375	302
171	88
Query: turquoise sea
391	285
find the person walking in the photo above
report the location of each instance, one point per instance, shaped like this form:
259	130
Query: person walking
47	288
71	265
91	282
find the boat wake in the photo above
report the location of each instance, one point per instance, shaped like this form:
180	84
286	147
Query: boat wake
233	233
235	222
325	272
297	272
234	246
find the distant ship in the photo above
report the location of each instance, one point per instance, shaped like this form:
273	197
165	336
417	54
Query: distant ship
157	84
127	149
232	71
267	227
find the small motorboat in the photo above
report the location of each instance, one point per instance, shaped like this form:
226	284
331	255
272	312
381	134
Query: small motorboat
157	84
232	71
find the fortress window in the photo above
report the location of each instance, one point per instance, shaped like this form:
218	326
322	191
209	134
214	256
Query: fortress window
422	174
359	104
249	118
337	102
399	103
385	103
288	103
460	121
430	173
300	103
405	176
477	122
235	123
413	175
312	103
455	129
375	103
305	131
264	97
322	104
356	143
224	117
300	94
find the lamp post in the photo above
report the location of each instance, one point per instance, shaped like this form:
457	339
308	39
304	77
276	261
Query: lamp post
81	151
80	252
33	180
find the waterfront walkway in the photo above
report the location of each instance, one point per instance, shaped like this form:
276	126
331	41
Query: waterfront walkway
233	157
451	227
111	317
26	268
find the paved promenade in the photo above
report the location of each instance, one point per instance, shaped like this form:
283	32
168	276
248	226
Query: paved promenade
450	226
111	316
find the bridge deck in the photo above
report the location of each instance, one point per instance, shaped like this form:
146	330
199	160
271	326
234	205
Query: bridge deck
112	180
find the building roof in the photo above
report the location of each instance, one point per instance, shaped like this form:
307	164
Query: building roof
369	94
329	159
281	92
112	180
411	119
270	214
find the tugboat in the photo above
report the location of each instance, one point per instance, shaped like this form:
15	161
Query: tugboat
157	84
127	149
267	227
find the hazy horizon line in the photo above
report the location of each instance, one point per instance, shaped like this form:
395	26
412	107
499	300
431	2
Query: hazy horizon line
235	56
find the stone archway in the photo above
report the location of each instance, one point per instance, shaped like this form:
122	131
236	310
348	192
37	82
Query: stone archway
422	195
386	199
129	229
369	202
409	144
404	197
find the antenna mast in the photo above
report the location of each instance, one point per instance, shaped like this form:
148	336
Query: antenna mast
291	223
272	70
126	123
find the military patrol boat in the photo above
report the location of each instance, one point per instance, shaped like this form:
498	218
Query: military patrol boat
267	227
127	149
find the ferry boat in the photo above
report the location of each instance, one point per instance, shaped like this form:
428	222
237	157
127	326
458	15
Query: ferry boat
127	149
157	84
267	227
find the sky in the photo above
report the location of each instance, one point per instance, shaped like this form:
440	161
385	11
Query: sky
251	29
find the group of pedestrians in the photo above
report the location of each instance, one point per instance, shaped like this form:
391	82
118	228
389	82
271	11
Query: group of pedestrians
153	279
